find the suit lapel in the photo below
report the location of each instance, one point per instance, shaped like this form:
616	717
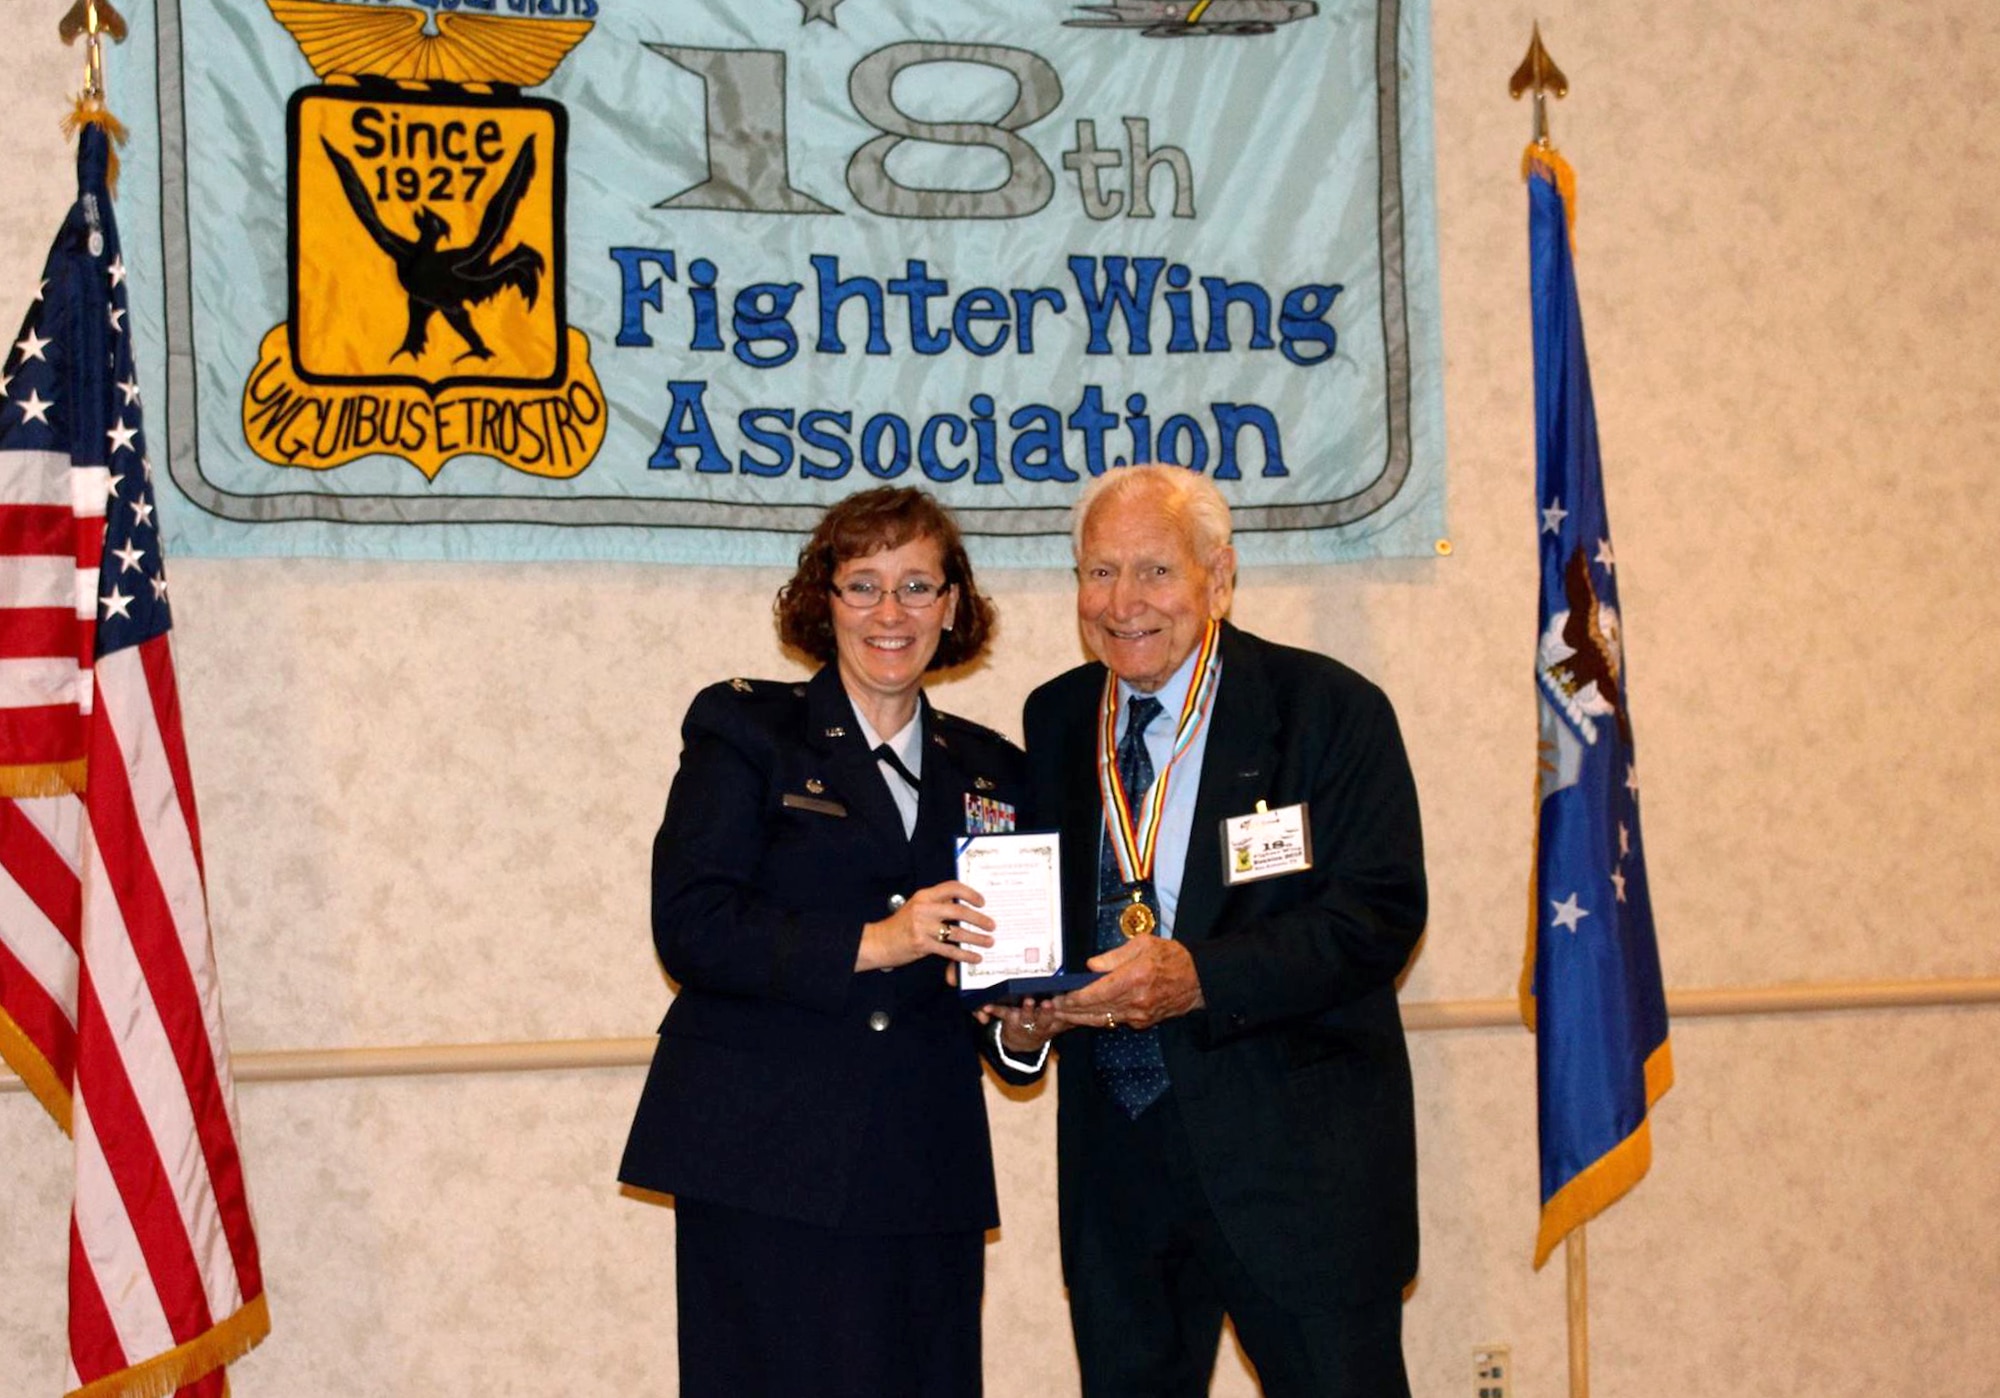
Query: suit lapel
1235	771
851	769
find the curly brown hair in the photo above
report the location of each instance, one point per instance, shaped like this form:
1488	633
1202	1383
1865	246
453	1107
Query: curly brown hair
868	522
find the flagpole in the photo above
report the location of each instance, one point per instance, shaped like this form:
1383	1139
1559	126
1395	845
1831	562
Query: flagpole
1578	1277
1538	74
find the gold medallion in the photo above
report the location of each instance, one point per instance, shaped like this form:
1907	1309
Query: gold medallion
1137	920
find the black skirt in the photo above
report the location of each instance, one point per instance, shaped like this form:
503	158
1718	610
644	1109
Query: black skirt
775	1308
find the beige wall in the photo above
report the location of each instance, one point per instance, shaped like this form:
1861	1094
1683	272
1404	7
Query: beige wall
428	790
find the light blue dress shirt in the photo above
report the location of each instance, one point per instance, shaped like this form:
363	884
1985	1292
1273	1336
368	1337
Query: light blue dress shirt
908	745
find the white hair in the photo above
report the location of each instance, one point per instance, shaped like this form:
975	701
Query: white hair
1188	496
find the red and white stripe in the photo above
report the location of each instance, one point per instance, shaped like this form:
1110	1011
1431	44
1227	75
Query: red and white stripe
41	932
51	543
165	1266
106	964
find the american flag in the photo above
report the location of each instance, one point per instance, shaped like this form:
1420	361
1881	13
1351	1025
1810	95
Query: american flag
109	1005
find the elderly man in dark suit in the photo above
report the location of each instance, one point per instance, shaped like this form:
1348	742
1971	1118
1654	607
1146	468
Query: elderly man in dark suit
1243	862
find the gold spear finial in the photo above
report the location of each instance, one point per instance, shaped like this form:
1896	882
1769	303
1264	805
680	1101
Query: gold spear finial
1538	73
92	20
79	21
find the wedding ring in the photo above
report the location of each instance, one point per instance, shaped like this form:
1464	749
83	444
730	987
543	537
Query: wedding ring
944	934
1029	1025
1110	1020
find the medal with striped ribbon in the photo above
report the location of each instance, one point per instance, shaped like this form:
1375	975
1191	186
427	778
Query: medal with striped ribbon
1134	843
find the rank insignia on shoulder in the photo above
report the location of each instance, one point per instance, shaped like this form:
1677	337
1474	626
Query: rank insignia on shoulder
815	785
938	739
836	732
982	783
741	686
986	816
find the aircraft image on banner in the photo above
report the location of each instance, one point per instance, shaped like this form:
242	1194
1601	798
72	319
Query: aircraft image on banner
1194	19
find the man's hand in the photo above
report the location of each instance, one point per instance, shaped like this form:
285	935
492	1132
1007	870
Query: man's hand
1024	1028
1147	980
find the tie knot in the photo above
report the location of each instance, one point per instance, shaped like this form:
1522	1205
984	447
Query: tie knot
1141	710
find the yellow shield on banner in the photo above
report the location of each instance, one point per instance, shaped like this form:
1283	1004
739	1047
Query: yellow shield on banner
426	238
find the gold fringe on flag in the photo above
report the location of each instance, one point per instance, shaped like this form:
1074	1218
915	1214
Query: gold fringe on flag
1549	161
161	1375
1613	1174
20	1054
42	779
91	111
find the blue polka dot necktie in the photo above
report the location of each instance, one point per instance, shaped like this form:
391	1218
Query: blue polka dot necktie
1129	1062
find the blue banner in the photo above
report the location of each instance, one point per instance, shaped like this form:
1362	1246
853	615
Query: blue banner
589	279
1591	987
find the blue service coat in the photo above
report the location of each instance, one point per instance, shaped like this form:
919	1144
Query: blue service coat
785	1082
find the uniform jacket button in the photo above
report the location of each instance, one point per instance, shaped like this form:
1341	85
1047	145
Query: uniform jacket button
879	1020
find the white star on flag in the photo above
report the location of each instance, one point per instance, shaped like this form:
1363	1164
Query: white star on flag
1618	883
35	408
1553	515
116	603
159	582
1604	558
1632	778
1567	913
32	347
1624	840
117	270
118	318
142	511
128	557
130	388
121	436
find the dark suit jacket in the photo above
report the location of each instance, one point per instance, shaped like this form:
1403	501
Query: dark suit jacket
784	1082
1293	1081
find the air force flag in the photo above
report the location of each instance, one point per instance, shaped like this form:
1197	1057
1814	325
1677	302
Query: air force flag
1591	986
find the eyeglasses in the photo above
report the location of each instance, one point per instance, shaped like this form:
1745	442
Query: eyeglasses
916	595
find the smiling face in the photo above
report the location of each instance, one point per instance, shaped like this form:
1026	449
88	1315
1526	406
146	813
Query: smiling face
1144	595
883	651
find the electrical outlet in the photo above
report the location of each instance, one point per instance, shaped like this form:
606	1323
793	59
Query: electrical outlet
1492	1371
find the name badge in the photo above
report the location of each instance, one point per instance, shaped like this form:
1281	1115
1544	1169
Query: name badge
1265	844
791	800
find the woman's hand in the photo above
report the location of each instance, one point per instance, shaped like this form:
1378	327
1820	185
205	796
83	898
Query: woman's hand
942	920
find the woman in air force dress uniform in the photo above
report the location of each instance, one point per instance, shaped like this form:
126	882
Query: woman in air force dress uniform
815	1104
